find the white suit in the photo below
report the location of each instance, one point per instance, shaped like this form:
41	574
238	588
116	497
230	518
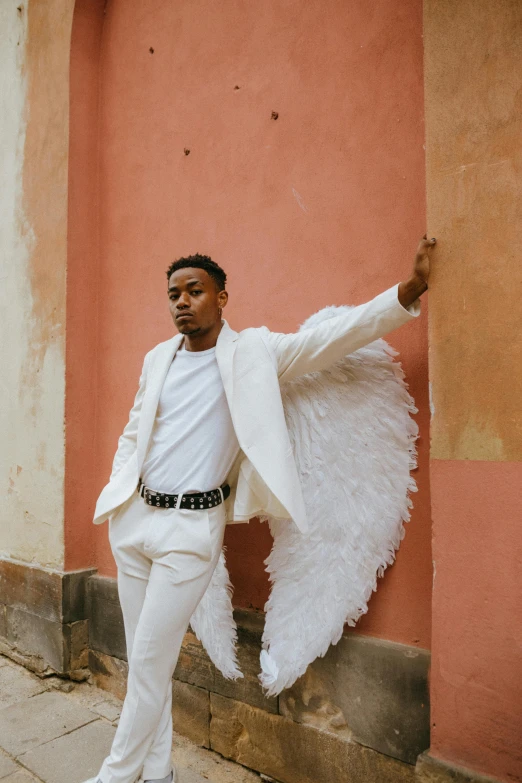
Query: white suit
166	557
253	363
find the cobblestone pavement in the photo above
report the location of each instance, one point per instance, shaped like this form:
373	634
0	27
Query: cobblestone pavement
57	731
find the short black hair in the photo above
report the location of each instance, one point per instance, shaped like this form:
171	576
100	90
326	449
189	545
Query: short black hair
199	261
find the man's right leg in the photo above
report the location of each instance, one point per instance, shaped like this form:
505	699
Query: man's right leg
127	535
163	620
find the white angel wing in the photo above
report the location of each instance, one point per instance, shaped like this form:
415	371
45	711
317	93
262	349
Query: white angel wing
354	444
213	622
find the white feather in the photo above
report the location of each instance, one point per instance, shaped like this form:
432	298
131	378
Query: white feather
354	444
214	624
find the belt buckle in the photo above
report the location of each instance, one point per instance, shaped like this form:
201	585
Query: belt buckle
149	495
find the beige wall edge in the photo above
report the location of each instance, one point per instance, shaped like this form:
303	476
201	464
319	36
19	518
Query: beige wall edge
34	76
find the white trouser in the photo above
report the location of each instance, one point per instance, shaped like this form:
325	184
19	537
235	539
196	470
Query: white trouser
165	560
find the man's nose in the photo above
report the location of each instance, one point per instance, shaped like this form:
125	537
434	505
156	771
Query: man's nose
183	301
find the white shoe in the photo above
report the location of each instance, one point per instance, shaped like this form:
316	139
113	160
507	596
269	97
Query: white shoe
166	779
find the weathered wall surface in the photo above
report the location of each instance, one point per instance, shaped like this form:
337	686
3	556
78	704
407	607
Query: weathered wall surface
473	93
34	56
322	205
82	286
474	165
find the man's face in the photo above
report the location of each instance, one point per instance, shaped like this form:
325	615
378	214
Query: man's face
194	300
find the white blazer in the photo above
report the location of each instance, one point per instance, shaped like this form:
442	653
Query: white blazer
253	363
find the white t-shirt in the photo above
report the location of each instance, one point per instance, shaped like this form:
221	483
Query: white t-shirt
193	444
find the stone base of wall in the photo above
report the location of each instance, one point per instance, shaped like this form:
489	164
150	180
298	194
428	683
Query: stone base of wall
361	713
433	770
267	742
43	619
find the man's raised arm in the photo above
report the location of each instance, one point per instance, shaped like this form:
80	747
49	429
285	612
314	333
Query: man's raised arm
321	346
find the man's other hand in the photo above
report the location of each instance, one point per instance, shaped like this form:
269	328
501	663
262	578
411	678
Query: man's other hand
409	291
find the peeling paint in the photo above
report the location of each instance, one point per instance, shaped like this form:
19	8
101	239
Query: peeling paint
33	230
299	200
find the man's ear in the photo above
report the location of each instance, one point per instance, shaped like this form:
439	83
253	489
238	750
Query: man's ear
222	298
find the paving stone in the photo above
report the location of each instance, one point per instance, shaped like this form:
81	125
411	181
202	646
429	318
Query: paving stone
80	754
7	766
3	661
42	718
191	761
189	776
17	684
64	687
66	754
107	709
433	770
295	753
22	776
89	695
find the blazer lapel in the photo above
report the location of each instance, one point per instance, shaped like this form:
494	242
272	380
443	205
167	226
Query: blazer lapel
225	348
157	374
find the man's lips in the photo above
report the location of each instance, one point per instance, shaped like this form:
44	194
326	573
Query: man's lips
184	315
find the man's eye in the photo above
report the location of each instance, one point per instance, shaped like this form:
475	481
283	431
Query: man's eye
172	297
196	292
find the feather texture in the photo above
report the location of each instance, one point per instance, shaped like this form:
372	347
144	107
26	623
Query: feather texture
354	444
214	624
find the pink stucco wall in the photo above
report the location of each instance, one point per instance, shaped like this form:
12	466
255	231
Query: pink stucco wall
477	616
323	205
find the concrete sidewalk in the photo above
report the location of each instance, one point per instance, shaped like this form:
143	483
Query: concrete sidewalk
57	731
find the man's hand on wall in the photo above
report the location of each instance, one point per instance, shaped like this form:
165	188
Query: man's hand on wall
409	291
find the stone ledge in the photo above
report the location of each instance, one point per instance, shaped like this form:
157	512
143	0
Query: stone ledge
43	618
51	595
295	753
432	770
109	673
106	630
369	690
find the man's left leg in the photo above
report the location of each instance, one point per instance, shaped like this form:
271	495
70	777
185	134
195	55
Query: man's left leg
131	592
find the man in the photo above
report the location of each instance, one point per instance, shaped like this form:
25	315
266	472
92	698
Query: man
206	444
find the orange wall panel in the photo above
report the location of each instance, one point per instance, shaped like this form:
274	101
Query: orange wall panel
82	287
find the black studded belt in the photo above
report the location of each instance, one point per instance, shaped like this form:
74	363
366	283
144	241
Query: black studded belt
194	500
